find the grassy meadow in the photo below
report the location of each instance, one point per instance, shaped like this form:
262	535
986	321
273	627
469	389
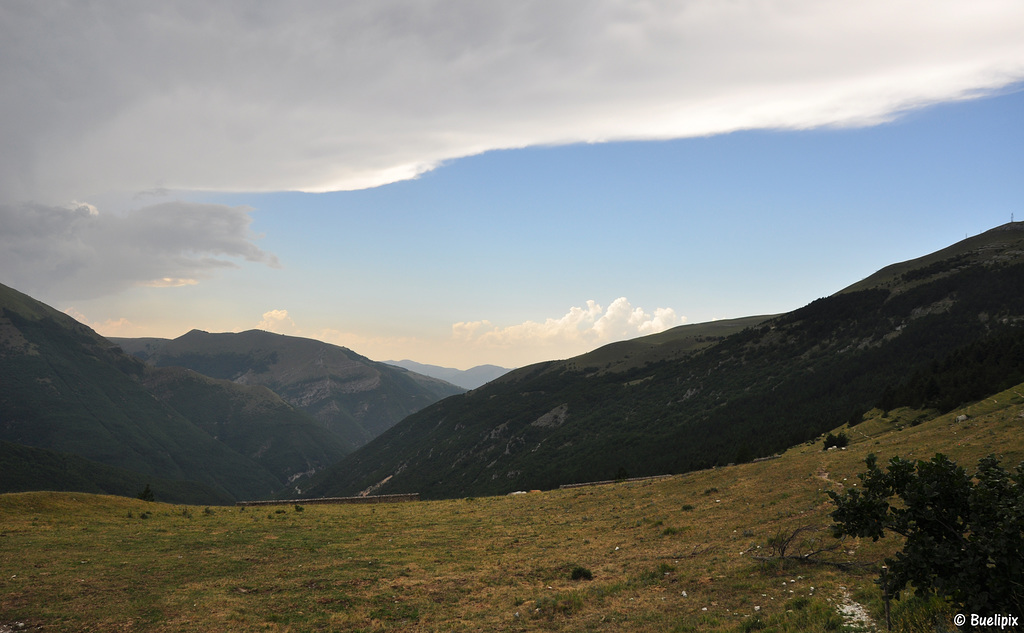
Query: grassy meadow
676	554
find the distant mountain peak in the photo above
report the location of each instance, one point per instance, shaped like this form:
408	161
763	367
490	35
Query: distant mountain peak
471	378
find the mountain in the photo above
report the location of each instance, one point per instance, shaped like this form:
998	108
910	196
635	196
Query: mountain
69	392
936	330
352	396
250	419
466	378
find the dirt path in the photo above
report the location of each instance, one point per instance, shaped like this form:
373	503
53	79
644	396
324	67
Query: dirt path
854	614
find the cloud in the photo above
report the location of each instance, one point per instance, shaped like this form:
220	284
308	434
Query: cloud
109	327
321	95
79	253
590	325
277	321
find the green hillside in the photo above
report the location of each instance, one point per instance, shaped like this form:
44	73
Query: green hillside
355	398
634	409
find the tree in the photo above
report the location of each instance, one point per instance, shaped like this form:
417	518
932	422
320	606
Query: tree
837	441
146	494
964	536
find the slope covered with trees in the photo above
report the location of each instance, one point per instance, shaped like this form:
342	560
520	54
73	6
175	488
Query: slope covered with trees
751	393
352	396
68	391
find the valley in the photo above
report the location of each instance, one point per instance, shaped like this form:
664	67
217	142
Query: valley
922	357
670	554
220	417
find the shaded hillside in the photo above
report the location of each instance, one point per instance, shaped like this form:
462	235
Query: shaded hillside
352	396
770	386
251	420
26	469
68	390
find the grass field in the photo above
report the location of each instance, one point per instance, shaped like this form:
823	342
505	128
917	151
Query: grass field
669	555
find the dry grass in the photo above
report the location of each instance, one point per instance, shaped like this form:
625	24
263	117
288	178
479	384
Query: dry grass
668	555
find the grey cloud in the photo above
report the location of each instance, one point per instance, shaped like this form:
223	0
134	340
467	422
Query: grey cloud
321	95
79	253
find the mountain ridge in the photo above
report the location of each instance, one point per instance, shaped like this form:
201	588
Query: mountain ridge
69	390
466	378
774	383
352	396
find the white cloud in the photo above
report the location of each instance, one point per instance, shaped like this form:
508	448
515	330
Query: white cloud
580	326
80	253
321	95
277	321
109	327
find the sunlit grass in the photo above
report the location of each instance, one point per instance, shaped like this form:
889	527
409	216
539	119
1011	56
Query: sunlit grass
667	555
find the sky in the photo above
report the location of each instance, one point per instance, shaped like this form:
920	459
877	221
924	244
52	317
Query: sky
461	183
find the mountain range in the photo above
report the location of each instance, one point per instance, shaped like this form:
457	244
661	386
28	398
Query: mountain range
466	378
78	413
936	331
211	418
354	397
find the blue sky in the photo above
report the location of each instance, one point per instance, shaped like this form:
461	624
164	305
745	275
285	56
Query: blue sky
546	238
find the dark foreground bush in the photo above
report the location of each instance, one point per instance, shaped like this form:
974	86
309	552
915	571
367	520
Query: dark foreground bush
964	535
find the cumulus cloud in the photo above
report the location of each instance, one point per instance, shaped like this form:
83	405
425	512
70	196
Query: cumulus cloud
589	325
108	327
80	253
277	321
320	95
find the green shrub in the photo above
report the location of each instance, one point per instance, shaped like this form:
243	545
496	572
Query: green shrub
963	534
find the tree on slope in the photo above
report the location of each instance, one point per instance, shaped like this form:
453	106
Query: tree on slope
964	535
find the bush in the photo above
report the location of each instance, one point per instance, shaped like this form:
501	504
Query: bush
964	535
581	573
